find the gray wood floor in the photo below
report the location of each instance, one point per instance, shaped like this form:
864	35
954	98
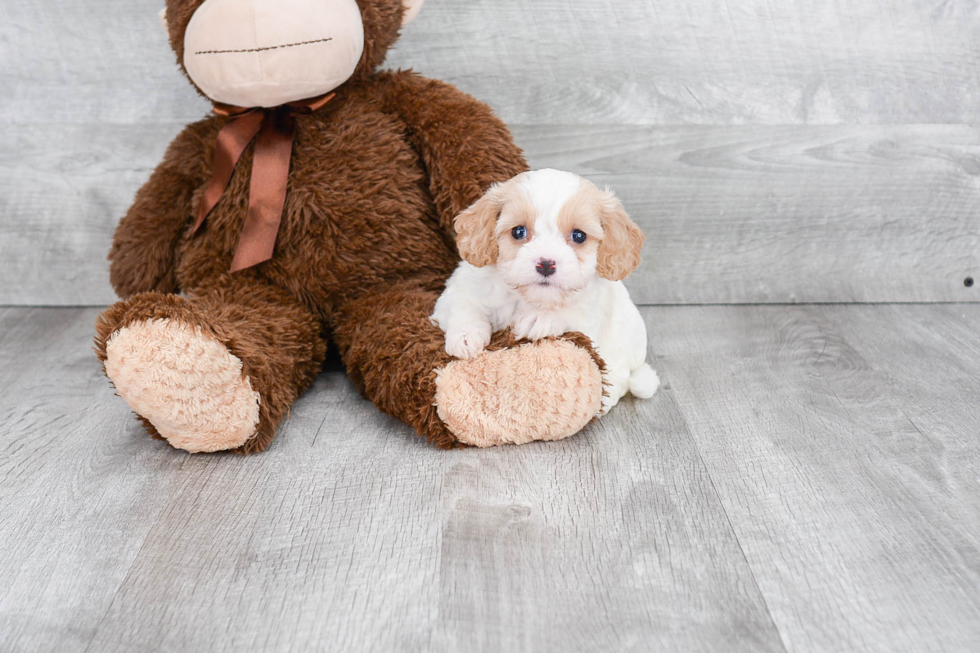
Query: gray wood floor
807	480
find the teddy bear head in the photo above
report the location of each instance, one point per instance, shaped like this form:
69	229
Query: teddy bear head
266	53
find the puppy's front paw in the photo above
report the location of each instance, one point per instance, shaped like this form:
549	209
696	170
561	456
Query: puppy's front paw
467	343
537	326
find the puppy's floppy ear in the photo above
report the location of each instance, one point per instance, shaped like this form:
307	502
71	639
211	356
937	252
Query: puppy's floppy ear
622	240
475	235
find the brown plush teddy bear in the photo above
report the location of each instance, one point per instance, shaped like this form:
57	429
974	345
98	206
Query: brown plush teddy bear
317	205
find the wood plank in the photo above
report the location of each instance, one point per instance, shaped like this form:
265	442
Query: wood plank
63	189
936	383
788	214
349	533
815	464
79	489
705	62
107	61
859	518
555	62
609	541
747	215
329	539
931	368
733	214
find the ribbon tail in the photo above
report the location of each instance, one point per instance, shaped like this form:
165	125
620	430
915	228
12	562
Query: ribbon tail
267	197
232	141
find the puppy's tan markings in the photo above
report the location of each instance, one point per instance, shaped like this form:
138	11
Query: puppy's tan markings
582	212
518	211
622	240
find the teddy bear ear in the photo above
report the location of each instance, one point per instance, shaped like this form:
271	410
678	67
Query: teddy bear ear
162	15
412	8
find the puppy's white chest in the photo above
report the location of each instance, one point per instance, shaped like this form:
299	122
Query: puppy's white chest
535	324
585	314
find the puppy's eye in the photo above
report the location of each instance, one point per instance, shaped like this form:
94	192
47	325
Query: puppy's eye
519	233
578	236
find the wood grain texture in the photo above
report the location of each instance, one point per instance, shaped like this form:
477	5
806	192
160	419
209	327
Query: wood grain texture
63	189
78	492
555	61
788	214
99	62
733	214
742	209
842	441
706	61
805	481
526	554
349	534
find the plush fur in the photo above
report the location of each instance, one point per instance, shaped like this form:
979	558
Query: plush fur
199	400
545	254
527	405
365	246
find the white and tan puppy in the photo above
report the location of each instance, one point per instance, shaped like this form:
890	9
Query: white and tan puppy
545	253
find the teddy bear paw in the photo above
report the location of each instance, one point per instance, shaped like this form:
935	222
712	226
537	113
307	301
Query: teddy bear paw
188	385
546	390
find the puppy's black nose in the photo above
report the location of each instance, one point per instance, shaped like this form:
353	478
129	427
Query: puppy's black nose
545	267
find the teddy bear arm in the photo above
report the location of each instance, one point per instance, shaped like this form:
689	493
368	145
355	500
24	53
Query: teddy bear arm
143	253
464	146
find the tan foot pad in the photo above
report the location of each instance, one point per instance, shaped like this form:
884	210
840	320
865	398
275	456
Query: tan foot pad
546	390
188	385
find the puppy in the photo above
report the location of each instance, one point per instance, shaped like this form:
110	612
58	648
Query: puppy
545	253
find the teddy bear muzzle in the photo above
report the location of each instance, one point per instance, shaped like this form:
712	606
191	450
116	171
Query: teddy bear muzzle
264	53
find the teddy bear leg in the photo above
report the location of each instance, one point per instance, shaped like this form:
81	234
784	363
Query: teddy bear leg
544	390
511	394
213	371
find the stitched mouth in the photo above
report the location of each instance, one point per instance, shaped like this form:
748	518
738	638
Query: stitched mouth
271	47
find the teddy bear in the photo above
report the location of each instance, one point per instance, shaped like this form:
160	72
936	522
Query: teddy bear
316	206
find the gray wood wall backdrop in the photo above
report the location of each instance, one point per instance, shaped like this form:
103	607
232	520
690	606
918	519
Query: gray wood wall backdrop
774	151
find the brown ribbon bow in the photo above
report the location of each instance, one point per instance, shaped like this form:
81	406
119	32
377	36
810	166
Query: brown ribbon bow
272	129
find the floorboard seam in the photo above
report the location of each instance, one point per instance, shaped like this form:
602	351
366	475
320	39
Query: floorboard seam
132	565
731	526
738	541
122	583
